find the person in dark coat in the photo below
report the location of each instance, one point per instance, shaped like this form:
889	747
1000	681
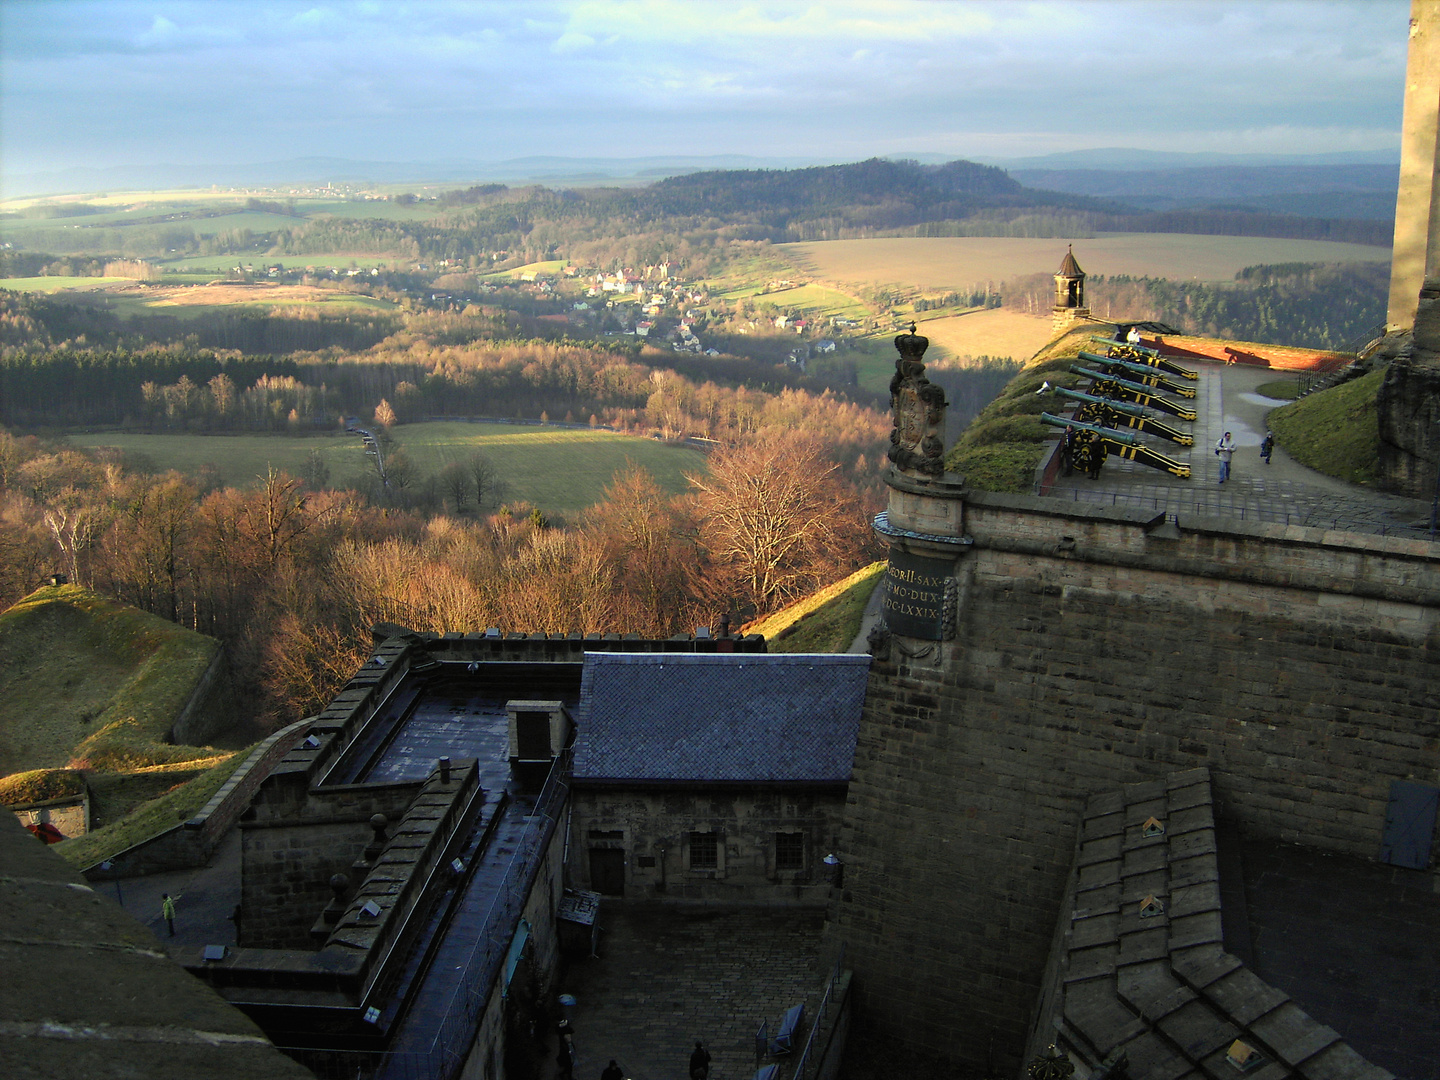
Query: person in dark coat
612	1072
699	1062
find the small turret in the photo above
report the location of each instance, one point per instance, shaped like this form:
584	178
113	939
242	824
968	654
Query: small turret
1069	292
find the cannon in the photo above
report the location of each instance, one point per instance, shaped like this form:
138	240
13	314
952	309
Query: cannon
1112	387
1104	441
1150	376
1117	413
1143	354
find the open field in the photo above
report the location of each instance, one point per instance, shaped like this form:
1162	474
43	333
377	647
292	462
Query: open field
56	284
561	470
818	300
128	297
994	332
549	268
961	262
263	293
222	263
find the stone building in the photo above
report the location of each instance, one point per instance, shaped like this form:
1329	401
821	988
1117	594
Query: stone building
713	777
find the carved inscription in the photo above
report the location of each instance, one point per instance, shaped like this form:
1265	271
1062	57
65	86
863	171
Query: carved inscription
915	595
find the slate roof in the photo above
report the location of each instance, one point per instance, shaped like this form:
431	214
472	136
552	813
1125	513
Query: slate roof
1069	267
1162	989
724	718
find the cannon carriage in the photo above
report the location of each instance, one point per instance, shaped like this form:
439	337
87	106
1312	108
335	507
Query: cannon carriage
1092	440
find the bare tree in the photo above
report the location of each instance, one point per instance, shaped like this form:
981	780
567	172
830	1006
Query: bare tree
490	490
455	481
776	517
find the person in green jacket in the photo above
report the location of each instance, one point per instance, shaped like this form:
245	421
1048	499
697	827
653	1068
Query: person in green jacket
167	909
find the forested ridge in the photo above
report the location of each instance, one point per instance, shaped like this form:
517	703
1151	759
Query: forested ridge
868	198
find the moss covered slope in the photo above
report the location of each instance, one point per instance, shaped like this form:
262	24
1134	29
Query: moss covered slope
1002	446
1335	431
88	679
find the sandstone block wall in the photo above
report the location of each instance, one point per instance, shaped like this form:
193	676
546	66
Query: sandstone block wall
652	829
1097	648
293	841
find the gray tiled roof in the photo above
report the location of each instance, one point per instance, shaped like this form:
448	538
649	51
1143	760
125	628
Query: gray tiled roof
730	718
1162	988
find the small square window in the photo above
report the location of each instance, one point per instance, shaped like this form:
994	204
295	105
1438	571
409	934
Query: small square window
789	851
704	851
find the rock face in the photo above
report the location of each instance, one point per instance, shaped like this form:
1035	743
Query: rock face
1409	406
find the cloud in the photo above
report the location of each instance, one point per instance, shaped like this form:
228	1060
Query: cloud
95	82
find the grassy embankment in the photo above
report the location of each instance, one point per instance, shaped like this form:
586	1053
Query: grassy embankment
90	688
1334	431
823	622
560	470
1001	448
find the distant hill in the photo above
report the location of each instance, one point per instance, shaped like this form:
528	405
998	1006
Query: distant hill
1365	191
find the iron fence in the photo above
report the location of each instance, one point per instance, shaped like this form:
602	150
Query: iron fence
807	1063
460	1017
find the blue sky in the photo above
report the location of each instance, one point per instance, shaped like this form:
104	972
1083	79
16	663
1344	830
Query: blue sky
130	82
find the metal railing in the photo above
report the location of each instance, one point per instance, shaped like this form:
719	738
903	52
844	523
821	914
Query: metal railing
460	1017
806	1063
452	1042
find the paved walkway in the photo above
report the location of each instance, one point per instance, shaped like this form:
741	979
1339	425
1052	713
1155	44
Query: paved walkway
206	898
1284	491
668	975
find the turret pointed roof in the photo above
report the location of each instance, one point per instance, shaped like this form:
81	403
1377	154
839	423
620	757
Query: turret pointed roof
1070	268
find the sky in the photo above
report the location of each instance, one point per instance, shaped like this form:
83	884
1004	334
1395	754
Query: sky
133	82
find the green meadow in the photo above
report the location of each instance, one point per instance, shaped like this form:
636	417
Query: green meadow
560	470
54	284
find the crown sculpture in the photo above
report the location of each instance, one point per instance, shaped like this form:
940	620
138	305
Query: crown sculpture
917	441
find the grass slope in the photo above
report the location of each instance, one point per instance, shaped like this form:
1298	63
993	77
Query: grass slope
1335	431
825	621
127	810
85	677
561	470
1002	446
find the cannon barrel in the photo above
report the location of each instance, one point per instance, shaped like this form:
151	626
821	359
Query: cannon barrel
1112	342
1131	416
1148	371
1125	446
1081	425
1120	406
1146	355
1144	394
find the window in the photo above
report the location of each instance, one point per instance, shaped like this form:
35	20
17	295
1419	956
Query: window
789	851
704	851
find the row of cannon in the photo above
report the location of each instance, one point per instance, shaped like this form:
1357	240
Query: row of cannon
1125	392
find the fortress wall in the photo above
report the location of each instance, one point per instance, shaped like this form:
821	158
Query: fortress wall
1096	648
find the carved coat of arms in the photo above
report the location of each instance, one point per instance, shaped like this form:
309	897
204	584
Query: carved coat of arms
917	441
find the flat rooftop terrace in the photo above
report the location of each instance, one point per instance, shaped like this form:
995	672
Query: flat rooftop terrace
1283	492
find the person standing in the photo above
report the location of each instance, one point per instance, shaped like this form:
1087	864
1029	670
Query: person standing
167	911
1267	447
1225	450
699	1062
1133	337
